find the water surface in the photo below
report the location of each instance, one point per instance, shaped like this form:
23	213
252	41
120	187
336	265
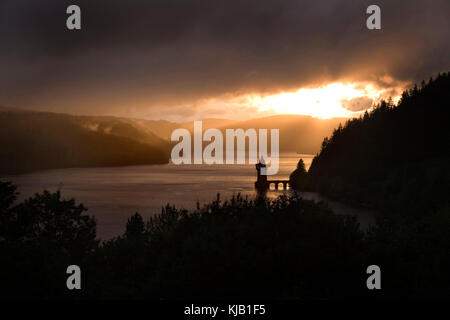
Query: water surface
113	194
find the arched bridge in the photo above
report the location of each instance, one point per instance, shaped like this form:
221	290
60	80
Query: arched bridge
276	183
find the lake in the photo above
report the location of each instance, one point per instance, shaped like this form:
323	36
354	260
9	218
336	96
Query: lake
113	194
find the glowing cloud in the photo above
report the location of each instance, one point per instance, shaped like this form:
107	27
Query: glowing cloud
329	101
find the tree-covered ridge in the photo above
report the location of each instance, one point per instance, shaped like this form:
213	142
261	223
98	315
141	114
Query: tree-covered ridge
395	160
391	155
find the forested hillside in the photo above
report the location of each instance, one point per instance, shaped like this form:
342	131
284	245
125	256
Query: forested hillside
395	157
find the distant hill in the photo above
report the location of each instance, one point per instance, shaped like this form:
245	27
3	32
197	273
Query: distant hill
298	133
395	158
40	140
44	140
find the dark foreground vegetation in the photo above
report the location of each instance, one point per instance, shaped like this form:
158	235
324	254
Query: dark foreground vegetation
283	248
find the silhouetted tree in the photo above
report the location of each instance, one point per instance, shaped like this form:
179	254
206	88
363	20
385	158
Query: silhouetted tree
39	239
8	195
135	228
297	179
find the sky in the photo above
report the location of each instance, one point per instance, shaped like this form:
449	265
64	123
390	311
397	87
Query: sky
188	59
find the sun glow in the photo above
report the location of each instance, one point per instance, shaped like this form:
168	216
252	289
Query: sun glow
325	102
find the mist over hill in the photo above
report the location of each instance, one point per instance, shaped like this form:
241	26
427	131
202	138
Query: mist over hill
39	140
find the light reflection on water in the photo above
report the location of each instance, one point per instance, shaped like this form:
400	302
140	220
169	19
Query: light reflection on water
115	193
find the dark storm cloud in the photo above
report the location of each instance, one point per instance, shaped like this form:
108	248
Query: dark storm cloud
132	56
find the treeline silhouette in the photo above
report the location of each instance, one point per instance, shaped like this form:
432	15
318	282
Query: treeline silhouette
394	155
259	248
286	247
36	140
